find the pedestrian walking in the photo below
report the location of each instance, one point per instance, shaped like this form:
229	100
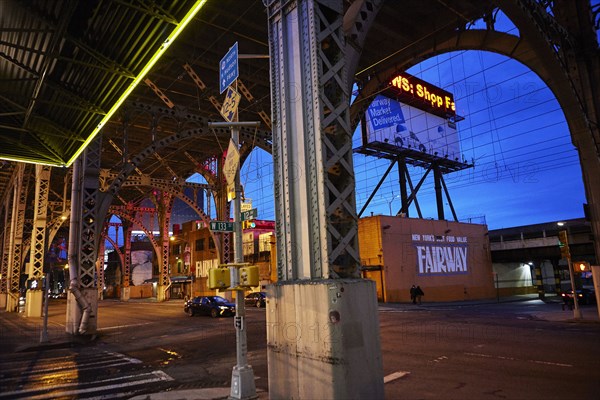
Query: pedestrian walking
413	294
419	294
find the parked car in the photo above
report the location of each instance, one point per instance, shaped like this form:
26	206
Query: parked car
584	296
256	299
215	306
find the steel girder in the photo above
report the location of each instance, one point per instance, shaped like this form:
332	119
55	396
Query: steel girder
17	226
312	142
91	224
38	235
6	242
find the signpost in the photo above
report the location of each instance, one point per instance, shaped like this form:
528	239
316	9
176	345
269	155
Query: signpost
242	376
228	68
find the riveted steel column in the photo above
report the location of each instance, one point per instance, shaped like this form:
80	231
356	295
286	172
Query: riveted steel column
16	236
319	285
100	267
165	205
35	267
85	232
126	261
6	248
312	142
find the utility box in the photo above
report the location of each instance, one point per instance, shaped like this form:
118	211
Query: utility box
219	278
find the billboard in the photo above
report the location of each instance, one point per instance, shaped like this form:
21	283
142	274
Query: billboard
394	123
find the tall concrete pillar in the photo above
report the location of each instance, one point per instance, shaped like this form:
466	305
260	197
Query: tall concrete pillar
320	342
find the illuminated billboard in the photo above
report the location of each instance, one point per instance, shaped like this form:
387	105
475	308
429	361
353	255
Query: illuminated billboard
415	92
391	122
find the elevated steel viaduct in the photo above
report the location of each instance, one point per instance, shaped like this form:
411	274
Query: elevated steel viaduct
69	153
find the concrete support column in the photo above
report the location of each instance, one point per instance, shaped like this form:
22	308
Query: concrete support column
556	270
323	340
539	279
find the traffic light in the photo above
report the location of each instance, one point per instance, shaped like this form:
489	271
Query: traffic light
249	276
248	224
563	243
219	278
581	266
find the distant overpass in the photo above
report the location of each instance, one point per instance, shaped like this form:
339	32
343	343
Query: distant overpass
527	258
540	241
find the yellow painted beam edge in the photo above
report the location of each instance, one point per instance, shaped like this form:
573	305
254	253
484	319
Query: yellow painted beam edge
178	29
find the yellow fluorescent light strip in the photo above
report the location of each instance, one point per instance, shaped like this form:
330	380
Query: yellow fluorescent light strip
178	29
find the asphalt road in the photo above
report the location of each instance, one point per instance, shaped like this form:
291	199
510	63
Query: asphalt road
443	351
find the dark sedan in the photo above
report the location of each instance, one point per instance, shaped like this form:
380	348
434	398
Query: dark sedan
584	296
215	306
256	299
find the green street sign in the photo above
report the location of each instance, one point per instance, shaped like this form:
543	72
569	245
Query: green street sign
221	226
250	214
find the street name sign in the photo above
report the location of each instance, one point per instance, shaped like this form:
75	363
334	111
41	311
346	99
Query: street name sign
250	214
221	226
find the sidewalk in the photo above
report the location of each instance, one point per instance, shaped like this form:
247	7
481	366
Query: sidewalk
553	307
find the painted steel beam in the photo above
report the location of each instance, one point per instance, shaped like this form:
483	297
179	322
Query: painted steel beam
312	142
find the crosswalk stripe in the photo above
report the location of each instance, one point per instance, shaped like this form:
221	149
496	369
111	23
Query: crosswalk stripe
157	376
47	365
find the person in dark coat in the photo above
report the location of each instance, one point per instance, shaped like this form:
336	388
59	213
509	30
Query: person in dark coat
418	294
413	294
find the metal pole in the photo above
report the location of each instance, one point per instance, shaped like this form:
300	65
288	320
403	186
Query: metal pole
437	177
403	192
576	310
238	257
242	376
44	333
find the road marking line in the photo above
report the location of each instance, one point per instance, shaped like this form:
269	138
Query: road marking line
46	365
551	363
516	359
158	376
108	328
124	357
73	367
395	375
